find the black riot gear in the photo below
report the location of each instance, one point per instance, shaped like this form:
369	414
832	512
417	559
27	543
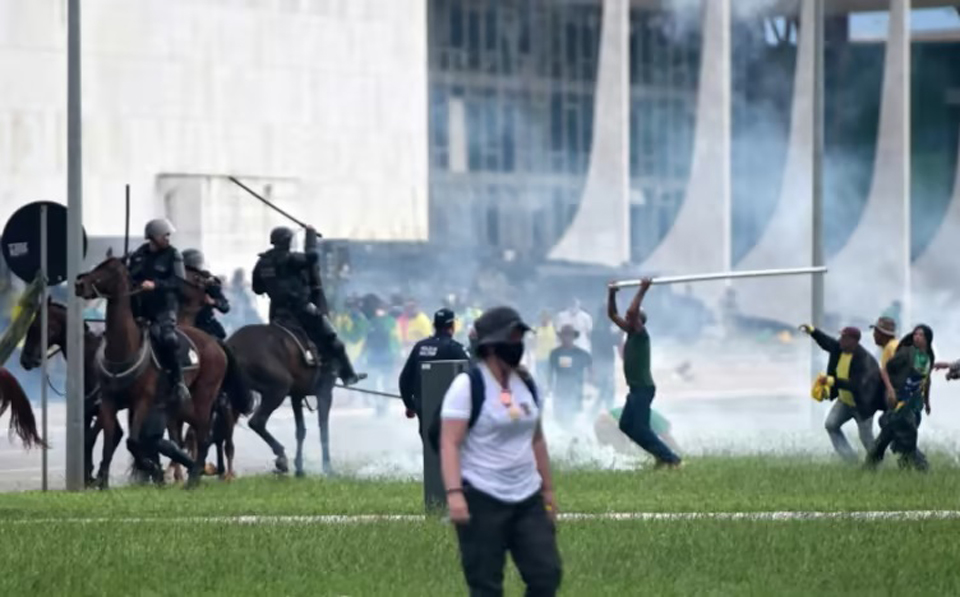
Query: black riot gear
159	306
292	281
281	237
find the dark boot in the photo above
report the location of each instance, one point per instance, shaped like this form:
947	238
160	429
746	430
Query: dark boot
348	376
179	395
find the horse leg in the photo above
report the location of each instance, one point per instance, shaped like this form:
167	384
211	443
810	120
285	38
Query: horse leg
228	447
297	403
111	439
90	432
175	432
324	403
258	422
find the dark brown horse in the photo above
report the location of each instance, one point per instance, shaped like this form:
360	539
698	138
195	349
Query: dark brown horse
22	421
234	400
129	374
30	358
274	365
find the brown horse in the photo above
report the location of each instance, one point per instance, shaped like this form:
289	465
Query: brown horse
274	365
30	358
22	421
128	373
234	400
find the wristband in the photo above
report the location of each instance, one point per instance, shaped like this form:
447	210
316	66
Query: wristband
455	490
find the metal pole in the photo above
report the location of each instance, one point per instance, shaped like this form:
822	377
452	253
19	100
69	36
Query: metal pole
43	345
74	444
266	202
906	81
817	295
126	224
764	273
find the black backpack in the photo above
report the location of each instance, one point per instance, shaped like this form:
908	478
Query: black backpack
476	402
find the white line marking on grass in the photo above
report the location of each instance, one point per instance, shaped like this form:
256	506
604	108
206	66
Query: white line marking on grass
341	519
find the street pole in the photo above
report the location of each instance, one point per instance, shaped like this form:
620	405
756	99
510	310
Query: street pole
906	80
817	293
74	445
43	346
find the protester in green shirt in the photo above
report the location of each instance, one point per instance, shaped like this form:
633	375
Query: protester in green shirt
907	381
635	419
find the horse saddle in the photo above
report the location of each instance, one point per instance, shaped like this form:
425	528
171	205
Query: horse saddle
187	353
306	346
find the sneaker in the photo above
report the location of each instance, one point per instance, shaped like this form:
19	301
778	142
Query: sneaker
663	464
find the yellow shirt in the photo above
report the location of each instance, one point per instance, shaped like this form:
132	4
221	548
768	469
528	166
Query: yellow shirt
546	339
888	351
843	372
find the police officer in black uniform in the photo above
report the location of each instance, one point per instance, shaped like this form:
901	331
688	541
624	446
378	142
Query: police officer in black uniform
157	271
206	319
292	281
439	347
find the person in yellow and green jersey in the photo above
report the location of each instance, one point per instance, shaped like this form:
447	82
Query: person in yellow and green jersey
906	379
856	374
544	338
885	337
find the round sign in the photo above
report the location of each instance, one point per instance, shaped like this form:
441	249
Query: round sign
21	242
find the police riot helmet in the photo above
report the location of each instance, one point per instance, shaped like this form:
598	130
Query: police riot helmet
281	237
193	259
156	229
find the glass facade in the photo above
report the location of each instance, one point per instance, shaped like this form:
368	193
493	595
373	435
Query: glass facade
512	87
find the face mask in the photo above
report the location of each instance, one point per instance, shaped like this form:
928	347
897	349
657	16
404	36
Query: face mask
509	352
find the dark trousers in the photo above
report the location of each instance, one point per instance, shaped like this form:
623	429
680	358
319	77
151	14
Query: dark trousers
523	529
899	427
635	424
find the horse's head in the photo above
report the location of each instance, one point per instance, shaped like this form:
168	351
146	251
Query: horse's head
107	280
30	354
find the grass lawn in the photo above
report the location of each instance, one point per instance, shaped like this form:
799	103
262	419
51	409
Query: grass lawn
704	557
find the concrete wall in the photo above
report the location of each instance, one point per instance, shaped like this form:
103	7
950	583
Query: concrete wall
325	98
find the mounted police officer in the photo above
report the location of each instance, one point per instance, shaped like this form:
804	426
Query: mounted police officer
439	347
206	319
157	271
292	281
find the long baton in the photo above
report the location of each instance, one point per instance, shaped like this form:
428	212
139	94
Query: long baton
767	273
364	391
266	202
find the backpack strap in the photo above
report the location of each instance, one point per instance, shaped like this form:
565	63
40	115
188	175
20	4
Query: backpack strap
477	393
528	381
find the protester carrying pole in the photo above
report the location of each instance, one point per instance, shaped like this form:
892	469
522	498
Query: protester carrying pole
439	347
853	375
496	467
635	418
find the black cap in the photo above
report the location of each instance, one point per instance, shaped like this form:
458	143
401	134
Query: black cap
443	319
496	325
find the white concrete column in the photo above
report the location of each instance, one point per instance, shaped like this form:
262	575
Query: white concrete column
786	241
699	240
872	269
600	231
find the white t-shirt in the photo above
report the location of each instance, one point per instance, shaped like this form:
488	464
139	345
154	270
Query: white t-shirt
497	455
581	321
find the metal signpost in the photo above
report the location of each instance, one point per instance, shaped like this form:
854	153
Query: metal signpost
435	379
74	444
43	346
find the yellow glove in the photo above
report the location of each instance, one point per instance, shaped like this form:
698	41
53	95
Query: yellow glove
831	381
806	328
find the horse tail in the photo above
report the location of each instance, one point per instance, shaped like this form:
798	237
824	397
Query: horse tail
236	384
22	421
